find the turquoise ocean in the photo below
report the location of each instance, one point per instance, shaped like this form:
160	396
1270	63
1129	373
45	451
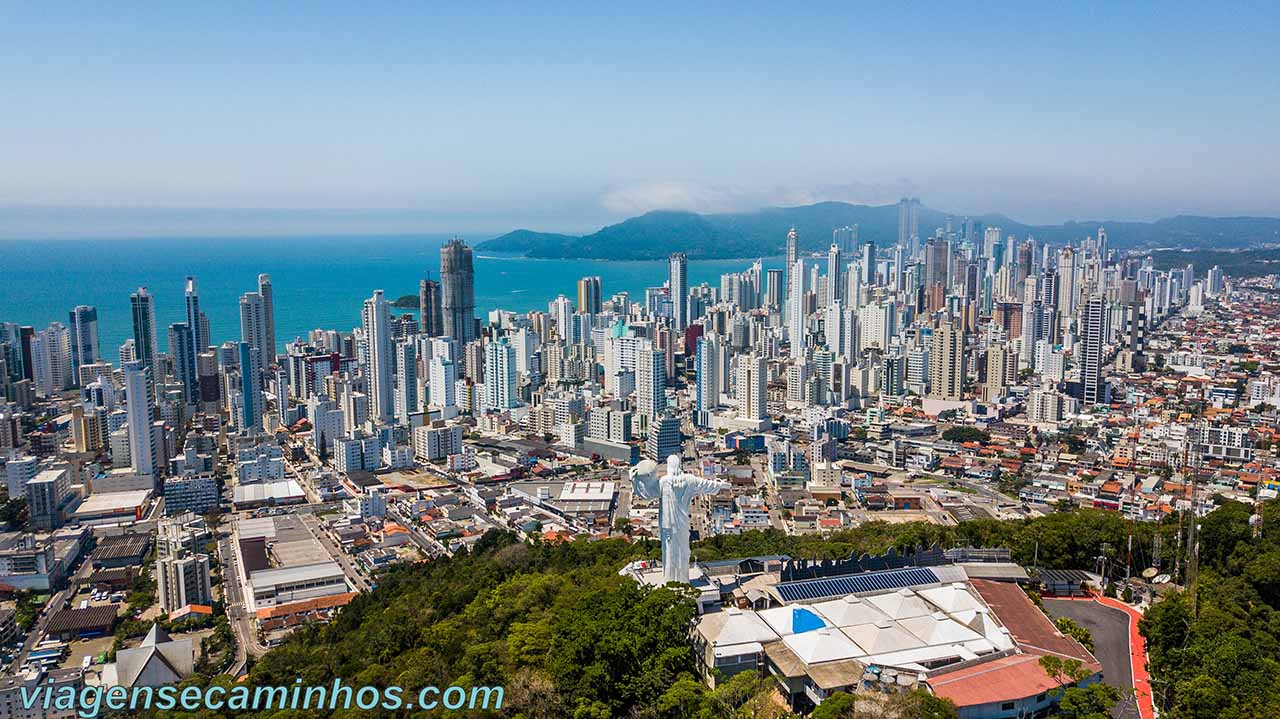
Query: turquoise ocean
319	282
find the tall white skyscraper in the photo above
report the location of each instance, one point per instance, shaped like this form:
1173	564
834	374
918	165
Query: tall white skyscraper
796	315
561	311
651	382
835	274
143	449
710	368
406	381
253	326
51	359
750	387
376	321
877	325
499	375
679	291
440	385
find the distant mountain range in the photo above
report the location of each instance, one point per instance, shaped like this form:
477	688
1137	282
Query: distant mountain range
657	234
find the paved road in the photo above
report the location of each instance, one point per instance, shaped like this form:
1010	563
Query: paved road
1110	630
242	623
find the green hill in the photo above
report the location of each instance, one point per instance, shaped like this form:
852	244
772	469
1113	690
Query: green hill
657	234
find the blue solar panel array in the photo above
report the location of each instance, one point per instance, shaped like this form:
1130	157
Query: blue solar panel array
812	589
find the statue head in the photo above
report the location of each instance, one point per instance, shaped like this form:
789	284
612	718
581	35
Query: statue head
673	465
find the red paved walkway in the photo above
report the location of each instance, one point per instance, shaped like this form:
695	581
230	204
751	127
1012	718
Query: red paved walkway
1137	654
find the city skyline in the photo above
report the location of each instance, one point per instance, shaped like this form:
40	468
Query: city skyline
319	383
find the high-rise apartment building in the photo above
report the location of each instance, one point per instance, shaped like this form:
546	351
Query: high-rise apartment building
376	321
589	295
430	313
144	327
144	451
946	362
679	288
268	349
458	293
83	323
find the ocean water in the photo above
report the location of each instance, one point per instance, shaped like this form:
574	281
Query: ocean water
317	282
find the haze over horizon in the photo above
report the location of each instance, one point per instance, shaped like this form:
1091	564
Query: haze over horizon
210	120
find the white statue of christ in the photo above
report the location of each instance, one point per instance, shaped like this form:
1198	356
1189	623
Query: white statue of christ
676	491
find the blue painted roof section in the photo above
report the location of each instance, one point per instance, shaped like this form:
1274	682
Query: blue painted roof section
803	620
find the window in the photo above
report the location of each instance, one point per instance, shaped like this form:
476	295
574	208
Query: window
1007	706
1041	696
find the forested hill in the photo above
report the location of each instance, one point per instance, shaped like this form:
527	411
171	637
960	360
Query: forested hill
568	637
656	235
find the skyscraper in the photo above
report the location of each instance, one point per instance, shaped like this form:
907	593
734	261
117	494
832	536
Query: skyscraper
144	451
908	222
589	295
250	388
796	314
83	321
835	274
458	298
750	387
440	385
184	363
499	375
679	285
651	382
792	254
430	314
144	327
1093	316
773	289
846	238
253	326
406	381
196	320
268	350
710	366
376	320
946	362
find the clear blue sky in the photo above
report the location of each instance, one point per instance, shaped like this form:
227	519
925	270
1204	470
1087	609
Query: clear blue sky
483	117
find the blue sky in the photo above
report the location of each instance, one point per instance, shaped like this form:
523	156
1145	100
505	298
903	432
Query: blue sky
480	117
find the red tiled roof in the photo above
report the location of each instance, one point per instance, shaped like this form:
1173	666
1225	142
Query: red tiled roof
999	680
308	605
1030	628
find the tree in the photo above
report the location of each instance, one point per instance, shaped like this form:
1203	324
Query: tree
1092	702
1064	671
961	435
1071	628
839	705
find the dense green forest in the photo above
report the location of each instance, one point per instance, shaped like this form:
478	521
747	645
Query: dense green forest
568	637
1217	655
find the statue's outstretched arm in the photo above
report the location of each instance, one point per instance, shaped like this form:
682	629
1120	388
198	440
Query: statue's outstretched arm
701	485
